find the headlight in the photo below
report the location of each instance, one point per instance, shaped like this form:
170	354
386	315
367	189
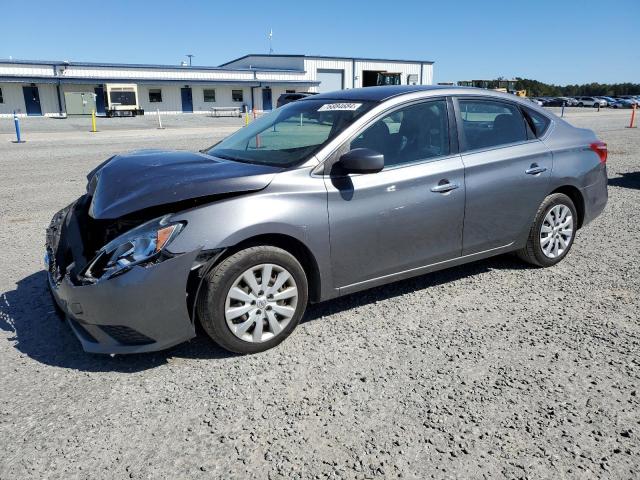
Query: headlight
137	246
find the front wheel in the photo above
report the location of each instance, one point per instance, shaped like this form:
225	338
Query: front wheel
253	299
552	233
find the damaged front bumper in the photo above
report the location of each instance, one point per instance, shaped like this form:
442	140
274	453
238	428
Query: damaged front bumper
144	309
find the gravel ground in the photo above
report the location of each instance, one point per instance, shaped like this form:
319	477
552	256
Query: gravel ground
487	370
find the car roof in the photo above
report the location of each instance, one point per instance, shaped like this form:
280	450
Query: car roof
378	94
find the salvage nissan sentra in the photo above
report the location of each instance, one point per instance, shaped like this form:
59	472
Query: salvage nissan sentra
323	197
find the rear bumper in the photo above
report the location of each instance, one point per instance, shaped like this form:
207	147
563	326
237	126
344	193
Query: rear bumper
141	310
595	197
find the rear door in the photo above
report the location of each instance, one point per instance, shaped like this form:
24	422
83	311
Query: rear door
507	172
408	215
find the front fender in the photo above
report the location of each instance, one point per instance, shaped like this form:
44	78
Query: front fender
294	205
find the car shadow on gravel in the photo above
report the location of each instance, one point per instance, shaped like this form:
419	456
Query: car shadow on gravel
626	180
29	315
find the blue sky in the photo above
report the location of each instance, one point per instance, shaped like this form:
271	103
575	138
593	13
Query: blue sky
553	41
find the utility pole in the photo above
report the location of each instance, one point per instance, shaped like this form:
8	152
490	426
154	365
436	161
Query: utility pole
190	56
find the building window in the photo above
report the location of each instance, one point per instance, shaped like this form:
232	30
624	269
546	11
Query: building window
236	95
155	95
209	95
1	98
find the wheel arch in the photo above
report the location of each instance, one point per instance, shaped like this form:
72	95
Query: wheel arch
576	197
286	242
296	248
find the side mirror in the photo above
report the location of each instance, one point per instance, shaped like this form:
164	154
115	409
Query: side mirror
361	160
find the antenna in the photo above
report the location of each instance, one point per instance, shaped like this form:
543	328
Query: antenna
190	56
270	43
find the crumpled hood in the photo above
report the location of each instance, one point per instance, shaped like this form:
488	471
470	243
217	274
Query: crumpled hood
147	178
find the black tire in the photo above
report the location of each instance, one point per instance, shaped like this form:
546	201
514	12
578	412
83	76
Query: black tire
532	252
219	280
581	104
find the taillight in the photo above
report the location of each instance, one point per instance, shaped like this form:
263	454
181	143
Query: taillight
601	149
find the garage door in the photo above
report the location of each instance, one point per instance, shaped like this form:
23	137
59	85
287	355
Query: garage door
330	80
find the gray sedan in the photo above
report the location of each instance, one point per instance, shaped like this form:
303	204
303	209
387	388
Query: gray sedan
326	196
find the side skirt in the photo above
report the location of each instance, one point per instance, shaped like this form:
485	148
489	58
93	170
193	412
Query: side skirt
414	272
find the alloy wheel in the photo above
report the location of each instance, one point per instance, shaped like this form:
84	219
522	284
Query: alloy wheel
261	302
556	232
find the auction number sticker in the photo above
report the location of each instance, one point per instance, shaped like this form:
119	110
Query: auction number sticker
333	107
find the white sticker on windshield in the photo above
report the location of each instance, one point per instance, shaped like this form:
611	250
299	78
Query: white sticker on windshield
332	107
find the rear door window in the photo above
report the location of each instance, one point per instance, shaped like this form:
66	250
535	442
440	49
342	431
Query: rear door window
491	123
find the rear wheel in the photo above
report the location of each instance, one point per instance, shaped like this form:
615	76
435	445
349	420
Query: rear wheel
253	299
552	233
581	104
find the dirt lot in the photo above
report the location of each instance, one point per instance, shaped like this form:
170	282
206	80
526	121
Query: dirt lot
487	370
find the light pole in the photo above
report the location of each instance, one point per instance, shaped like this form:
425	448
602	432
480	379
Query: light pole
190	56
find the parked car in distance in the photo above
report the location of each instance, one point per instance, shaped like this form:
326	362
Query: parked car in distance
292	97
570	102
621	103
537	101
609	100
393	182
555	102
591	102
630	98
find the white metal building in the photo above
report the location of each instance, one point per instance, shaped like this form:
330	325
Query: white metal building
254	81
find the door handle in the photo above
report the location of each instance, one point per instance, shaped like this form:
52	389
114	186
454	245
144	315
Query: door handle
444	187
534	169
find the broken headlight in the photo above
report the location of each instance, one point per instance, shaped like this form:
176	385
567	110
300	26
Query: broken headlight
140	245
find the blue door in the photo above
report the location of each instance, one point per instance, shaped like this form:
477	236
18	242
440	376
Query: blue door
187	99
100	101
266	99
32	100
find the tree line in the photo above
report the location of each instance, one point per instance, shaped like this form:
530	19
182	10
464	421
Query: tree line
535	88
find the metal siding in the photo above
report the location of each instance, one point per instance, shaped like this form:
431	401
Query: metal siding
23	70
48	98
427	74
171	100
13	99
154	74
283	76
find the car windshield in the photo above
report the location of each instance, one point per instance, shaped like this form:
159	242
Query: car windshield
290	134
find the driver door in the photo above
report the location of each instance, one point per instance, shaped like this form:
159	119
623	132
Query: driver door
408	215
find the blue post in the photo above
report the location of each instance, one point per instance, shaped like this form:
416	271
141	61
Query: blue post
562	111
17	124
